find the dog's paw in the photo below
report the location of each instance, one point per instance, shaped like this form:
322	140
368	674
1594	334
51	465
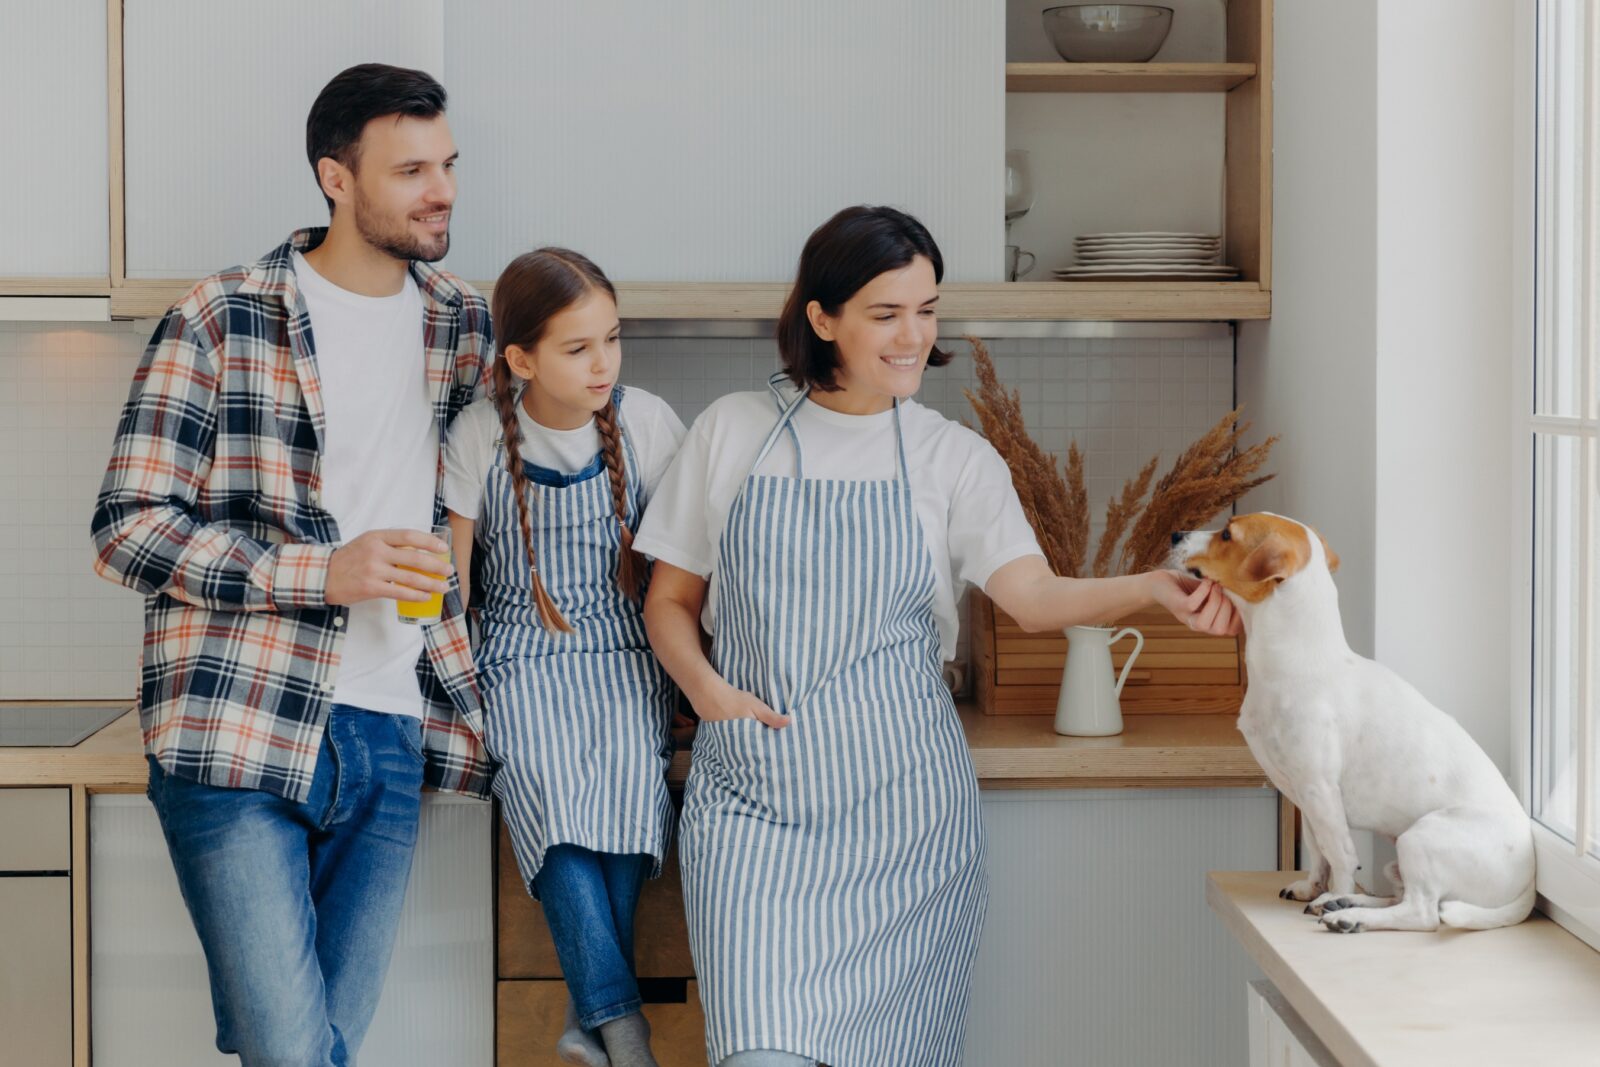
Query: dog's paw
1338	904
1340	925
1321	903
1305	889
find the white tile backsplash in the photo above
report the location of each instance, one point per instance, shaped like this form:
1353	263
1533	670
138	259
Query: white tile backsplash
68	634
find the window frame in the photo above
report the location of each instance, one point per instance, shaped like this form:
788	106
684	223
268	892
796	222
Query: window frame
1568	882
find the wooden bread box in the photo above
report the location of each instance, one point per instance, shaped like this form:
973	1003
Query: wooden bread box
1178	672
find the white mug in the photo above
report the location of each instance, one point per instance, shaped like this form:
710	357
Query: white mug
1014	258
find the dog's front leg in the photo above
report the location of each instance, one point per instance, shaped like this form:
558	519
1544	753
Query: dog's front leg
1316	865
1323	809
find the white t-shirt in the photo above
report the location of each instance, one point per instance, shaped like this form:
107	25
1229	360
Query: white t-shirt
960	487
651	426
380	461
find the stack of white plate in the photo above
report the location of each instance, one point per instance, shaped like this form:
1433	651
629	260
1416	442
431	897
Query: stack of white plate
1149	256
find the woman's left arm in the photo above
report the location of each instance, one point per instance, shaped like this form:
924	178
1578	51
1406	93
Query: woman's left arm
1040	600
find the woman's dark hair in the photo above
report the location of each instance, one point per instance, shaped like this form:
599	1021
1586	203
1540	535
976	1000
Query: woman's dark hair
533	289
357	96
840	257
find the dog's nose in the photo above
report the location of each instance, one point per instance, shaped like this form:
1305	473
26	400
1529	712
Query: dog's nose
1178	536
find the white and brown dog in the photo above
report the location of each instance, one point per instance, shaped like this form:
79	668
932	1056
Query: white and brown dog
1353	745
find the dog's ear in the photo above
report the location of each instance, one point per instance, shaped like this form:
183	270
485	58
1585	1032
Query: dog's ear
1333	557
1271	560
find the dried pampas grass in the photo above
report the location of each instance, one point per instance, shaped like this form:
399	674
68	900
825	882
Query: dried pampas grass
1209	477
1057	509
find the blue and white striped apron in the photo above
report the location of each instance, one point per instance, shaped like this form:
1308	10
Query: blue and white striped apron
833	869
578	723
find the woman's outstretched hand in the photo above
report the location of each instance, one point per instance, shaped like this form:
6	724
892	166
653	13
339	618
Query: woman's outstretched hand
1198	603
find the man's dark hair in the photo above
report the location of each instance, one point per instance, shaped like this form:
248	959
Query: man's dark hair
842	256
357	96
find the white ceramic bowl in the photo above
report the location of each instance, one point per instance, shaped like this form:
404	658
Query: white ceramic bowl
1107	33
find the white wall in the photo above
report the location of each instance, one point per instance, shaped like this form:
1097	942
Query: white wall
1444	357
1387	362
1309	372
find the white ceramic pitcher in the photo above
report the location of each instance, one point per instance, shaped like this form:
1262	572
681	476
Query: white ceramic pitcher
1088	705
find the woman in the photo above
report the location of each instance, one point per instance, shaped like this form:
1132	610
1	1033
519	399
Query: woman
832	842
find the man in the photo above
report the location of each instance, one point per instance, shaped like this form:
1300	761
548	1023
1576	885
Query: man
276	466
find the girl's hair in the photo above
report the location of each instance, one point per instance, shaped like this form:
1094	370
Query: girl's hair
531	291
842	256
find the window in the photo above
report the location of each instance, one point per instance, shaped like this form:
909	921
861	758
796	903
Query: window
1559	422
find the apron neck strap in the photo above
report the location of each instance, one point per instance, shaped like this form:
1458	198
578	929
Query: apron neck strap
786	410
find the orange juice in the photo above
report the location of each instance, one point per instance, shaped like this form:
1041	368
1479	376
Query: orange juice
414	612
417	611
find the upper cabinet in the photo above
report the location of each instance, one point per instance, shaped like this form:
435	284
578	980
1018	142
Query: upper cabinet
693	141
54	200
689	148
703	141
216	96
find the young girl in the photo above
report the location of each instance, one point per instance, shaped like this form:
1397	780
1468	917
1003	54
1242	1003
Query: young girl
549	476
832	848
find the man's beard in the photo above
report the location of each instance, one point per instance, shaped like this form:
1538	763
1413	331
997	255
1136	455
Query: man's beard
397	241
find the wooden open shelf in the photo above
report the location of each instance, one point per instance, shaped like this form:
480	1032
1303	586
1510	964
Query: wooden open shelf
1245	80
1126	77
958	301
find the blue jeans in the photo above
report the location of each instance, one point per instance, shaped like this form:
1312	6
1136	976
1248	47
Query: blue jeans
589	899
297	904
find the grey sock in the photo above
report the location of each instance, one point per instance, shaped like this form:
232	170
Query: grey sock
628	1041
579	1046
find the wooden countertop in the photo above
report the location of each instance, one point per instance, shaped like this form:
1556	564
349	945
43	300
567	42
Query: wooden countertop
1008	752
1521	995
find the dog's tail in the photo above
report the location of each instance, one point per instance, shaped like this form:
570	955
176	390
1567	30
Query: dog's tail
1466	916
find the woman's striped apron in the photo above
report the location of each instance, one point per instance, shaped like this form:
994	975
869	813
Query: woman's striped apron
833	869
578	723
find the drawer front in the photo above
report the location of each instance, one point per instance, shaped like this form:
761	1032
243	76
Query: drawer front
528	1018
35	830
661	938
36	971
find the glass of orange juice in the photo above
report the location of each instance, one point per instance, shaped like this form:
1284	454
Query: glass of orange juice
416	612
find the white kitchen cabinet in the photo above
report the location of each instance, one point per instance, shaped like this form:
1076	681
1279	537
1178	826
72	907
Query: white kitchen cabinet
695	141
1278	1036
703	141
35	928
216	97
1099	948
151	999
54	205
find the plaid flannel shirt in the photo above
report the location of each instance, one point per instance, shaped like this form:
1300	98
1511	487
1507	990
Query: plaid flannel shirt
211	507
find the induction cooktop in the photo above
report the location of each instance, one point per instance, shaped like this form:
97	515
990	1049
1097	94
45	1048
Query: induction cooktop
54	725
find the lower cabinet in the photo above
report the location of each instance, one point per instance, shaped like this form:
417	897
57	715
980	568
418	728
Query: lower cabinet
1278	1036
1099	948
35	928
151	996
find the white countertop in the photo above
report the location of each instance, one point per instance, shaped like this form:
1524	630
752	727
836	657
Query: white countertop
1521	996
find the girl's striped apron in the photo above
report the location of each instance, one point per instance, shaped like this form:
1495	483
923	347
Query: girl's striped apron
578	723
833	869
